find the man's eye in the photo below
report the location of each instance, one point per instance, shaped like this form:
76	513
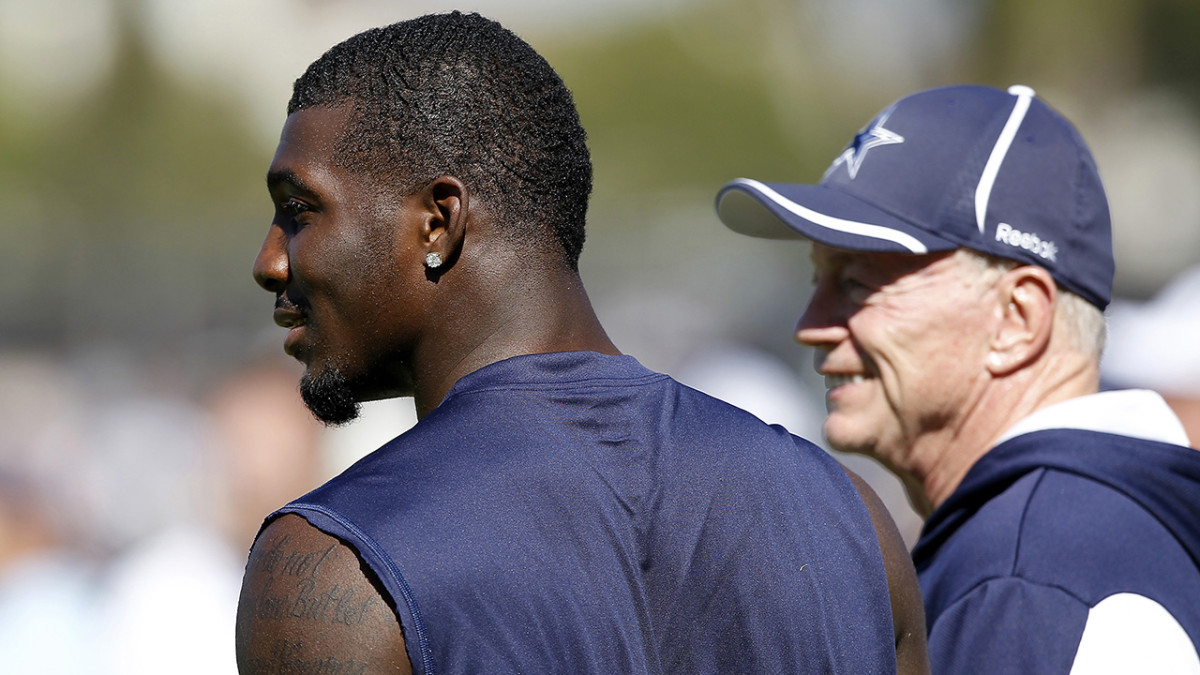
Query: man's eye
855	289
853	284
293	208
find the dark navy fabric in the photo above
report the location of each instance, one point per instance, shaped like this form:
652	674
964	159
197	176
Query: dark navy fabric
916	180
1044	527
577	513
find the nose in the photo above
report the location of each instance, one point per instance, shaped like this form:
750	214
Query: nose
271	265
822	324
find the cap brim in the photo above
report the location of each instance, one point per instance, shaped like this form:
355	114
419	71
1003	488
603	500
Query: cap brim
819	213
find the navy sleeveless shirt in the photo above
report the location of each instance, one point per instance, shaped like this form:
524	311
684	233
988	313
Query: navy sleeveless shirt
577	513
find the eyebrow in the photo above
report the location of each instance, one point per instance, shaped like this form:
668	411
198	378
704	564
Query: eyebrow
288	177
831	256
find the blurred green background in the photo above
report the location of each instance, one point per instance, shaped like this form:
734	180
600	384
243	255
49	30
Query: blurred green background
134	136
134	139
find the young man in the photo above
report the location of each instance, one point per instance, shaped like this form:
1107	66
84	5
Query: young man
963	260
558	507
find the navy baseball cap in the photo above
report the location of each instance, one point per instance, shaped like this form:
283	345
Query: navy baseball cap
964	166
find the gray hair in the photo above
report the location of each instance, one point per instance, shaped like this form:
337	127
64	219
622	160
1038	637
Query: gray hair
1082	322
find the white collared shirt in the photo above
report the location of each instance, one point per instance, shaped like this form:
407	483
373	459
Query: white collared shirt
1139	413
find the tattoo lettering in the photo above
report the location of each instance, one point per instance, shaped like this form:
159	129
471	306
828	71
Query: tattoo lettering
291	563
336	604
308	607
280	598
288	658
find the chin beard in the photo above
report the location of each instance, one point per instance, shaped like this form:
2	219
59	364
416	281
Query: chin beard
329	397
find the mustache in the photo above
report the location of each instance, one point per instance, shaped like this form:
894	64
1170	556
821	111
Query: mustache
282	302
288	313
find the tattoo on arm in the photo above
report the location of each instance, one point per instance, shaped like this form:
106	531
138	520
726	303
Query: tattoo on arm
308	606
290	588
292	657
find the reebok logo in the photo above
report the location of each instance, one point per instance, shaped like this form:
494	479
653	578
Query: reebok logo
1029	241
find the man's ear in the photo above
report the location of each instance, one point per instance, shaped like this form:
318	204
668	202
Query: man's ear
1028	297
446	202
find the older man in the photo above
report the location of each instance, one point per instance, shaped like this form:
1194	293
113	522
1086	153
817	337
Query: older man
962	253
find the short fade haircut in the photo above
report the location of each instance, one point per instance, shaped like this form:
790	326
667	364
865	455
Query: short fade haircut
459	94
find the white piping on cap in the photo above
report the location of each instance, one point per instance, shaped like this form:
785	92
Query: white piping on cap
984	191
837	224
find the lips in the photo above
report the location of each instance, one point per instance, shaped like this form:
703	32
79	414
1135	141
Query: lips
833	381
843	389
289	315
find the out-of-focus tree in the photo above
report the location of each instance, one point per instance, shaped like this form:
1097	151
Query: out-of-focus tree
127	217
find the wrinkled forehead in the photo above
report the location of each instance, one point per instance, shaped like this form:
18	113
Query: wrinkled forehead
880	266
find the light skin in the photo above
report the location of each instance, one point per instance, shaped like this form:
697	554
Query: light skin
346	262
929	362
1187	408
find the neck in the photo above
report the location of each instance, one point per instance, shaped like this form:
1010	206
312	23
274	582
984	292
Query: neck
940	461
541	311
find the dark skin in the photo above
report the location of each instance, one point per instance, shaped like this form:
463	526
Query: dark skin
348	268
353	288
908	609
306	600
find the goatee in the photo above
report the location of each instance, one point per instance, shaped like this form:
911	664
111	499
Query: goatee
329	397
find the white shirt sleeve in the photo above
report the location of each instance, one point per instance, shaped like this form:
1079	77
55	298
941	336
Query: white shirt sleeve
1130	633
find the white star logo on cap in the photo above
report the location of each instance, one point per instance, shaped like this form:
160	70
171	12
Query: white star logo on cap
873	135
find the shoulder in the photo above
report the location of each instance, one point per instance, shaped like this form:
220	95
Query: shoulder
1071	520
1007	625
1040	527
1015	625
1064	512
1037	560
739	437
308	602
